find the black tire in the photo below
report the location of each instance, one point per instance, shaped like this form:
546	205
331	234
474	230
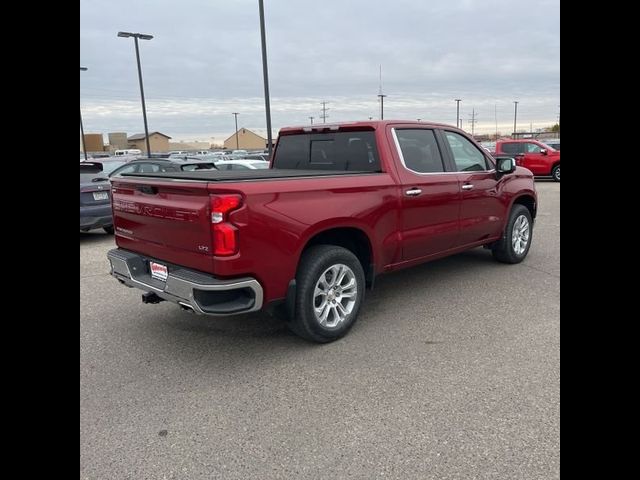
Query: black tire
504	250
108	229
314	262
555	173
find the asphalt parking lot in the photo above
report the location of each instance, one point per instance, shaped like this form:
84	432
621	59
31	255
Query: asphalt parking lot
452	371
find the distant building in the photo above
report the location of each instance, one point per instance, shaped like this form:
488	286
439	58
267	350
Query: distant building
94	142
118	141
158	142
247	140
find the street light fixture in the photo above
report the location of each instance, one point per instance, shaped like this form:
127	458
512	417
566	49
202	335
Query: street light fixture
84	147
141	36
235	114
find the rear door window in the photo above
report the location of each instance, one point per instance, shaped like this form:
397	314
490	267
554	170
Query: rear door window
420	151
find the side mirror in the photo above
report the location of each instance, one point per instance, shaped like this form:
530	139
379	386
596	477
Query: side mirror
505	165
543	151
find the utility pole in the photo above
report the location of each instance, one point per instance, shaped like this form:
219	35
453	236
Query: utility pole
311	118
558	121
265	75
324	112
381	96
381	105
235	114
495	113
458	112
515	118
473	121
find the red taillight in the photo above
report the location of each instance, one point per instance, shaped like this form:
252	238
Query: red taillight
225	235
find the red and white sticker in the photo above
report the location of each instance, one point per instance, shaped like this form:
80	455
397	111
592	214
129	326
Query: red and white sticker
158	271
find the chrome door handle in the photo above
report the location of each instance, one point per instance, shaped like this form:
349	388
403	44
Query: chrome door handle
467	187
413	192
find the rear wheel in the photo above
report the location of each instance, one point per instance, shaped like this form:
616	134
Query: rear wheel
555	173
331	286
516	239
108	229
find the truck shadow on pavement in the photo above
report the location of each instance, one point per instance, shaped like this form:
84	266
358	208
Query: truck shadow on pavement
390	293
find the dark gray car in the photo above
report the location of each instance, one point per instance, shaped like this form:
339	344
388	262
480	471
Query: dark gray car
95	194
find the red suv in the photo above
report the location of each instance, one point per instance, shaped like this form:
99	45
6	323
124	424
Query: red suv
541	159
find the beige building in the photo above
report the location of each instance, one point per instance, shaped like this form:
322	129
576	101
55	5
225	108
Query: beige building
118	141
247	140
93	142
158	142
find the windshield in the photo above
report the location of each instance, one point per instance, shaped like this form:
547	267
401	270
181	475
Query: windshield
549	147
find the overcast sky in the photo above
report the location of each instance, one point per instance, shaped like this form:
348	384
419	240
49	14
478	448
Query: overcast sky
204	62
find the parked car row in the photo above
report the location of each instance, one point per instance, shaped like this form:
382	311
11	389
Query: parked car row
95	187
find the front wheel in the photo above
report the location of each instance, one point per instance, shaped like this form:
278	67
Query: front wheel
555	173
331	286
516	239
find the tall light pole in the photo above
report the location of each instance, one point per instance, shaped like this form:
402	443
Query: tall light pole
458	112
515	118
311	118
265	74
142	36
84	147
381	95
235	114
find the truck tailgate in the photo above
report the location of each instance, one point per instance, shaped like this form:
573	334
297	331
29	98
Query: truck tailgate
168	220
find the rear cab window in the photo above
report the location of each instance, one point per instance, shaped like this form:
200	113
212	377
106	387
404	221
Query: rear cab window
513	148
348	151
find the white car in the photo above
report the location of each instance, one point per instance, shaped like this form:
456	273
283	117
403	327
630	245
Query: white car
241	165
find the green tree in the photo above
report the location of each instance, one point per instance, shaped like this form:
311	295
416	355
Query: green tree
555	128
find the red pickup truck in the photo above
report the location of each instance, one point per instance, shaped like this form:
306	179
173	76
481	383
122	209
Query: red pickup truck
536	156
340	205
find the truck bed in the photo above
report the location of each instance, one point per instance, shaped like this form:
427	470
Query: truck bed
238	176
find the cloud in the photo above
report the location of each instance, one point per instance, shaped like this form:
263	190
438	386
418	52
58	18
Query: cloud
204	62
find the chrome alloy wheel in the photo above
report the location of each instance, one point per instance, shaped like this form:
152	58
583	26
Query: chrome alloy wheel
335	295
520	235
